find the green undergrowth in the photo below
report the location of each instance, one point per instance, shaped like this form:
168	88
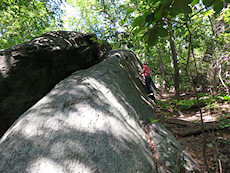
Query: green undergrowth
209	102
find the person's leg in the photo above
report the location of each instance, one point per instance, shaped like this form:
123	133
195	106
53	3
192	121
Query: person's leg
148	81
148	84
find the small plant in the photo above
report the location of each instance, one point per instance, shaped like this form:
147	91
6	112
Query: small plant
224	123
165	106
153	120
169	114
186	104
202	95
166	114
206	99
223	94
212	106
195	121
224	98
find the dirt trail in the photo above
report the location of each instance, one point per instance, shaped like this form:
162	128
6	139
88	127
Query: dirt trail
218	139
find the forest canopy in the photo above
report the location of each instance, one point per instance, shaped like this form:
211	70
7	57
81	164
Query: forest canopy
182	40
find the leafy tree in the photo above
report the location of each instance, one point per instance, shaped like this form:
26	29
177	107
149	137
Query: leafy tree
24	20
102	18
142	26
151	24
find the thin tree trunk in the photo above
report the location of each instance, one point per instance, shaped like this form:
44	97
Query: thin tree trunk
161	69
222	81
197	99
194	59
175	64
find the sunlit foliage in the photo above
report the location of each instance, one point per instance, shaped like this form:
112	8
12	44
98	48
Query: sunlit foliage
24	20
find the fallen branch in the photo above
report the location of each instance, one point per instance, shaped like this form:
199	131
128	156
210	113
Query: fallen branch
178	122
196	130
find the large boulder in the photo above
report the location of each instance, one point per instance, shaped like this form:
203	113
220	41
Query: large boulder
30	70
94	121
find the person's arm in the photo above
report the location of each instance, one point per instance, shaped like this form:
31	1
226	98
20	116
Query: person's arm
140	73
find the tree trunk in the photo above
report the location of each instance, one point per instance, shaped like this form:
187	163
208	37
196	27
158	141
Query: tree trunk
175	64
161	69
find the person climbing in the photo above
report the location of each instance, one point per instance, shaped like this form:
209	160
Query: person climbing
148	79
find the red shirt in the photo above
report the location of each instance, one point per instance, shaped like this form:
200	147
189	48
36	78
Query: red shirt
146	70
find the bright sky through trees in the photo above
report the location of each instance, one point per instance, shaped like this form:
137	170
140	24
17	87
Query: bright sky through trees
70	12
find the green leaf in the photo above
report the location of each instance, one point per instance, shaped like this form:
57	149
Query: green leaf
122	22
157	14
226	98
154	33
180	102
166	4
218	5
187	10
224	123
138	21
186	104
195	2
207	2
153	120
169	115
223	94
207	13
129	11
152	37
180	6
162	32
138	30
155	1
150	17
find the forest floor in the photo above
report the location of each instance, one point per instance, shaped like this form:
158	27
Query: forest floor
186	127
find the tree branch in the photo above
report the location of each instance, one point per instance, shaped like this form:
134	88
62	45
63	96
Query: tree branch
201	9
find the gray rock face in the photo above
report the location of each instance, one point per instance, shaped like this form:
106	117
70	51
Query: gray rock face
168	154
91	122
30	70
